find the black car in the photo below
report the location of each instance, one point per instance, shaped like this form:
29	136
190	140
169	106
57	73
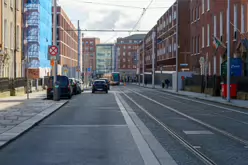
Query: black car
107	82
100	85
64	84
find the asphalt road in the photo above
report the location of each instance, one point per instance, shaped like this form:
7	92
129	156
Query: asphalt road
132	125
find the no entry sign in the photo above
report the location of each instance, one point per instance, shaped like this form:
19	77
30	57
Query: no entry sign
53	52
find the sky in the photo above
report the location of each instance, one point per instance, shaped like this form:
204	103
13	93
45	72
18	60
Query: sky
109	16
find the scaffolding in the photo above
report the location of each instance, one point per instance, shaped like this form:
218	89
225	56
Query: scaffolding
32	32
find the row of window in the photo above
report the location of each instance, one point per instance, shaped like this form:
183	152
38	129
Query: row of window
87	42
9	35
166	21
128	66
12	3
130	41
167	49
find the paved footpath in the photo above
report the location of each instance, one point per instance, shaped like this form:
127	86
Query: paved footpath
17	114
202	96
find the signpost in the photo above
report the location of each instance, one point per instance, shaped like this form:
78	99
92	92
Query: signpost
53	52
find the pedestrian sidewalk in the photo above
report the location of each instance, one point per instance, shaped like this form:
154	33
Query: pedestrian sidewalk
202	96
17	114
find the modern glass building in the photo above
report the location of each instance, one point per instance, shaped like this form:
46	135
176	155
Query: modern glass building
105	58
37	36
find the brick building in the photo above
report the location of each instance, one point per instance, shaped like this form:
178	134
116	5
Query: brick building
209	22
89	53
127	54
149	49
67	39
166	37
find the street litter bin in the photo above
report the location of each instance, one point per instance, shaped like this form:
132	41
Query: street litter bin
56	92
233	90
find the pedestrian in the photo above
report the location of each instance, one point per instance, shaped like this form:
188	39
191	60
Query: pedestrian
167	82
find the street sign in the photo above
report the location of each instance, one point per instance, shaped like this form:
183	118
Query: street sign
53	52
88	69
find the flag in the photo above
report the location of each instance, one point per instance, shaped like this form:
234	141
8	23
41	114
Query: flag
216	42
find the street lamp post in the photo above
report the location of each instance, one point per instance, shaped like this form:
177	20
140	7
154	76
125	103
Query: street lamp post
153	58
228	51
177	17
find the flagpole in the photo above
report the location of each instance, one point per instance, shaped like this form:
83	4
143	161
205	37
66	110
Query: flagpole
228	51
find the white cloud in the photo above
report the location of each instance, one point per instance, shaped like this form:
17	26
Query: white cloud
96	16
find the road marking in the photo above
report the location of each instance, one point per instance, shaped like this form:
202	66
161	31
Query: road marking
202	132
73	126
162	155
144	149
188	146
245	142
197	147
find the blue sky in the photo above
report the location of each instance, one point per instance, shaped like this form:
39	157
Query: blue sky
96	16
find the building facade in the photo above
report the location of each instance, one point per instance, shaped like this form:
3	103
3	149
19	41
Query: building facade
89	54
37	36
11	55
169	27
126	58
67	40
209	23
105	55
150	47
1	34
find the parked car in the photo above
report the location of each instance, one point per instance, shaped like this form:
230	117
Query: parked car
107	82
80	86
100	85
64	84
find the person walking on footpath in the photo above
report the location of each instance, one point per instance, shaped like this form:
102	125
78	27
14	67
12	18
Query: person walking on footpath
167	82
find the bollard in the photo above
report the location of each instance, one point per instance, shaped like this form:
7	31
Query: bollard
56	92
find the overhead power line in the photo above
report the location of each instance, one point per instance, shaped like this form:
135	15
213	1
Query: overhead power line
142	14
108	30
116	5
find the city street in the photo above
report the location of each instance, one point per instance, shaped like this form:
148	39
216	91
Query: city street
132	125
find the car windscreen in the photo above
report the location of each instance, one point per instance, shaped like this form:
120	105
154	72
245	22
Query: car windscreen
99	82
106	80
62	81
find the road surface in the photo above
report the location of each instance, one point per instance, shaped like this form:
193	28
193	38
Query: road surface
133	125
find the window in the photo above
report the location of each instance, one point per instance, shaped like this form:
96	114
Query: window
124	60
11	3
129	47
208	44
124	47
170	18
235	17
242	19
221	24
124	53
6	42
203	6
203	36
17	4
215	30
197	13
18	37
209	68
130	41
196	44
193	15
175	15
129	53
175	47
208	5
11	36
193	45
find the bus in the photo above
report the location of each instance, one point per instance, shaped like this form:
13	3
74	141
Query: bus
115	78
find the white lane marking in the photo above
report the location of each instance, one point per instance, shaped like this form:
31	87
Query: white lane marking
162	155
201	132
145	151
93	125
197	147
209	104
196	120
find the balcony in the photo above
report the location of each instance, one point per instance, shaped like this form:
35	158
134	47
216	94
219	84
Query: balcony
33	7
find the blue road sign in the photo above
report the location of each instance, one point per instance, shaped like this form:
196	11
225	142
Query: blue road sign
88	69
